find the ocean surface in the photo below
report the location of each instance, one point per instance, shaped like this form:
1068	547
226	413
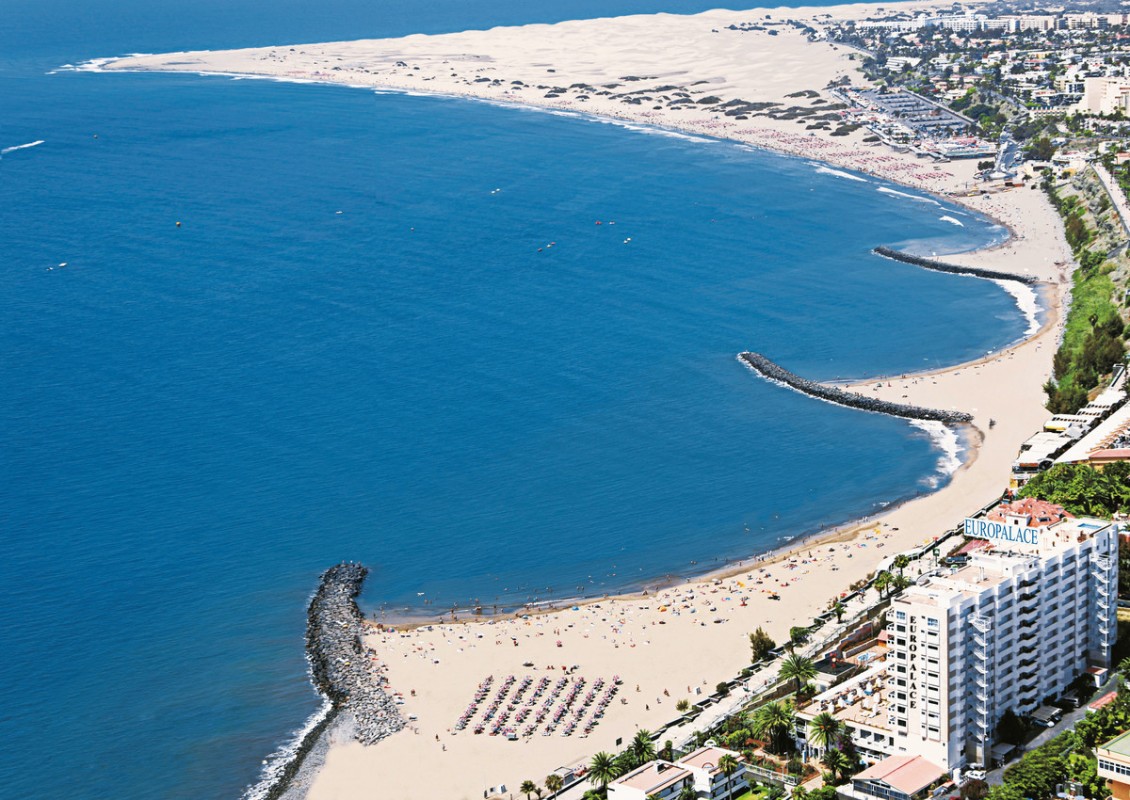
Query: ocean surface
388	329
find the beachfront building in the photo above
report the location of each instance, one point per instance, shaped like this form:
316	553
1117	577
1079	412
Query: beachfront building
858	704
1114	765
897	778
1072	437
698	771
710	781
658	778
1016	625
1108	442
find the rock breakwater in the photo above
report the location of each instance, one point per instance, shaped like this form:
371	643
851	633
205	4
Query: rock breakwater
954	269
345	670
347	674
775	372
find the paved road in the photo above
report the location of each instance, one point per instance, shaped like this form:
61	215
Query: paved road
1069	719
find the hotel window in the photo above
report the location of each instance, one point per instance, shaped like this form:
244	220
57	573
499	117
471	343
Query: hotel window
931	622
900	615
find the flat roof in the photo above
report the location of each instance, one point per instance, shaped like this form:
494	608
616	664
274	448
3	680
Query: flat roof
707	758
860	701
654	776
1119	745
1098	439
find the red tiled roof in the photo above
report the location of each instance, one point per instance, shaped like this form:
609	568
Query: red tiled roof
1105	700
1038	512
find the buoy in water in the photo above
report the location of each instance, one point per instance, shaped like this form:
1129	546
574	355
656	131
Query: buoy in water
178	223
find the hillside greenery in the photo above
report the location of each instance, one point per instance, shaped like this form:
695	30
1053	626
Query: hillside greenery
1093	333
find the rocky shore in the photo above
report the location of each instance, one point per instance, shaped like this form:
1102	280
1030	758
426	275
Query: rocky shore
954	269
774	372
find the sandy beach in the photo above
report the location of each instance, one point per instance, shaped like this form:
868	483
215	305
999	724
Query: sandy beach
661	70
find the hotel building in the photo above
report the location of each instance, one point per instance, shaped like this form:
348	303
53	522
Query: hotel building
1016	625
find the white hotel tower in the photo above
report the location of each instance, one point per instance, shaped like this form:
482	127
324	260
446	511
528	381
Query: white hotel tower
1016	625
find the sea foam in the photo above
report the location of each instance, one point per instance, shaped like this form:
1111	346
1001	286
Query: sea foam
945	440
1027	301
823	170
915	197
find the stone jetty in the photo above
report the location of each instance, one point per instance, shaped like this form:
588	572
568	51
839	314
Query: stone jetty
774	372
346	673
954	269
345	670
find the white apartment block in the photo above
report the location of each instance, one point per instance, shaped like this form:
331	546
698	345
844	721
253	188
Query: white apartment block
1013	627
1105	96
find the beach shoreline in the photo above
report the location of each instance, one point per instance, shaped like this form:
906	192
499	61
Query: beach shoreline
660	638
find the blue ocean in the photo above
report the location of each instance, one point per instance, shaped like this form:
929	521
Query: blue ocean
359	344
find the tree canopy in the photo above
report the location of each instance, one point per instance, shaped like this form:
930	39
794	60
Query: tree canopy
1082	489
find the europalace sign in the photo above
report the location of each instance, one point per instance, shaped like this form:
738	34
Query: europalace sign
1002	533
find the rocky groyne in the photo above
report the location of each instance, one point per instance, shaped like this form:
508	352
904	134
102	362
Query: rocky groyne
345	671
774	372
954	269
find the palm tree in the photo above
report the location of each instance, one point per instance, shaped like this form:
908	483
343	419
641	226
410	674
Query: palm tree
798	668
901	562
527	788
774	721
836	763
729	765
838	609
642	748
687	793
824	729
882	582
898	583
554	783
602	770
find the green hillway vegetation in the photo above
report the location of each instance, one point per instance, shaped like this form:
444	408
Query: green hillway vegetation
1094	333
1082	489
